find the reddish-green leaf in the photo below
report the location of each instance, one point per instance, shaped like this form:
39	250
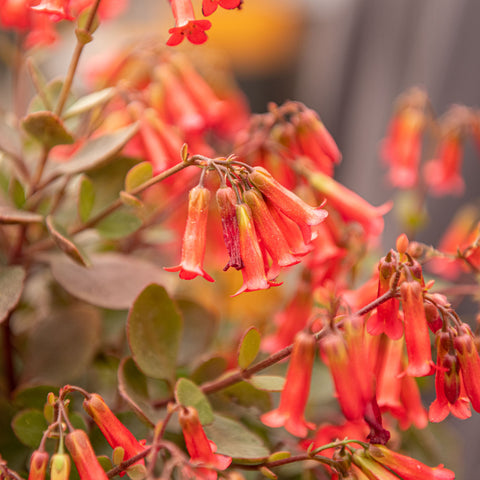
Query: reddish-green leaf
98	151
249	346
112	281
130	200
29	426
133	387
119	224
154	328
138	175
190	395
199	328
235	440
16	192
90	101
47	128
11	286
64	243
62	346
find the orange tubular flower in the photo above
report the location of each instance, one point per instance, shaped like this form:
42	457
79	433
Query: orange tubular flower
38	465
408	468
351	206
186	25
293	400
349	393
201	450
194	238
443	174
226	201
253	271
116	434
209	6
449	388
287	202
269	233
416	330
83	456
469	360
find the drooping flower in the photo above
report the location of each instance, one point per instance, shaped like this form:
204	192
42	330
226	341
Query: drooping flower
83	455
38	465
253	271
186	25
416	330
315	141
450	393
287	202
351	206
226	201
443	174
209	6
294	396
402	147
406	467
194	238
469	361
269	233
201	450
116	434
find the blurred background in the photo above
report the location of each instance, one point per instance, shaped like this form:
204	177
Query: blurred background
348	60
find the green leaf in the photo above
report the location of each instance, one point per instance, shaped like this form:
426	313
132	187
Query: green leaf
199	328
29	426
133	387
86	198
98	151
249	346
268	383
235	440
90	101
33	397
119	224
247	395
62	346
112	281
47	128
209	369
12	216
138	175
154	328
63	242
190	395
11	288
16	192
105	462
280	455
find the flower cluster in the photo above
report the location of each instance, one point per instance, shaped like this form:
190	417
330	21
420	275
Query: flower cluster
402	149
260	218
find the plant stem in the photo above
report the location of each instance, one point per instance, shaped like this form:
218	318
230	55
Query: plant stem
10	379
74	61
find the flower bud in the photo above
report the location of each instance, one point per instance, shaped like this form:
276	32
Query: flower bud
38	465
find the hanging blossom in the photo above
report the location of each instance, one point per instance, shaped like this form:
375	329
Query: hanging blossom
116	434
201	450
294	396
186	25
210	6
194	238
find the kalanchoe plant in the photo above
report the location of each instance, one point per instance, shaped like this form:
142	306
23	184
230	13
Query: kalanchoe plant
101	192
